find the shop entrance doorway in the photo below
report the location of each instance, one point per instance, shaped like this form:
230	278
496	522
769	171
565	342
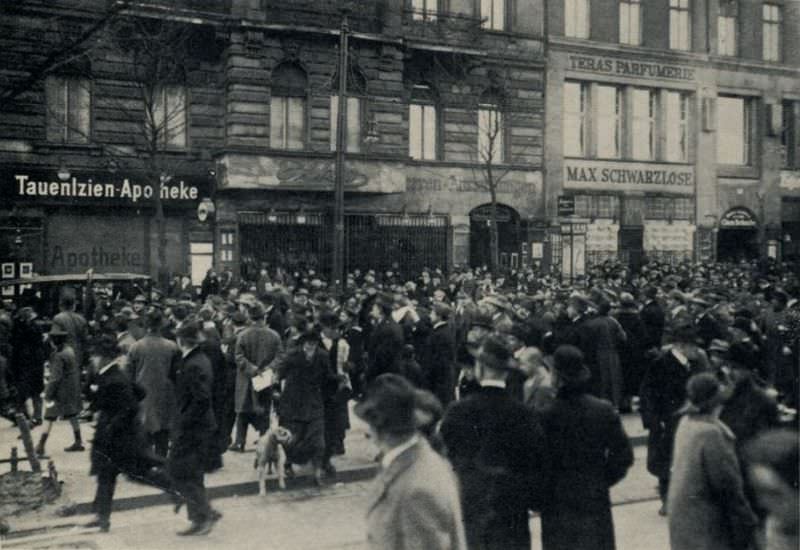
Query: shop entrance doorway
738	236
509	235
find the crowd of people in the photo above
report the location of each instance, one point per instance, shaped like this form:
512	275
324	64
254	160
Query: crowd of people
507	389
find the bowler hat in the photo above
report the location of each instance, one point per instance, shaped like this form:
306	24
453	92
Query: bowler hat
568	364
704	391
389	405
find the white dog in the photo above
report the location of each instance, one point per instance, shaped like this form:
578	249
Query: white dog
270	450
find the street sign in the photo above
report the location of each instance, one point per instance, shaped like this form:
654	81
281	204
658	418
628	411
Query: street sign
566	205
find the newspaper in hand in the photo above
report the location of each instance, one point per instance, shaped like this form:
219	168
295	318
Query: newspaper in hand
263	380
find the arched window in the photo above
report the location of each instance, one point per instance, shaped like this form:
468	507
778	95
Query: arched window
356	91
288	107
422	123
491	128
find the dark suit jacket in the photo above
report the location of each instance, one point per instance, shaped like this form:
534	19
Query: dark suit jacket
275	320
303	398
497	450
653	318
589	452
438	363
385	346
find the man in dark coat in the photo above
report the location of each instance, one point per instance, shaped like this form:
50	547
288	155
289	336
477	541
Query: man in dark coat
589	452
631	350
120	445
497	450
307	374
438	359
27	364
653	318
385	340
194	427
338	389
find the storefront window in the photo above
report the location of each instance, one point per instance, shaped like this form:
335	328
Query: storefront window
422	124
644	124
677	122
771	32
575	94
680	28
576	18
630	18
733	133
288	107
68	109
608	121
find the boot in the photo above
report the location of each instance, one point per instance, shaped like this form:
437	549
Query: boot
41	444
78	445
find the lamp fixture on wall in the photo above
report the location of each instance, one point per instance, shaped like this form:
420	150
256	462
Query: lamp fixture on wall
63	172
272	217
301	216
206	210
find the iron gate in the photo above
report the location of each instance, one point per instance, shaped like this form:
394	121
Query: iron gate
377	241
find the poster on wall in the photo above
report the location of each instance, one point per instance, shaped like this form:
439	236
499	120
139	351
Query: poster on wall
573	256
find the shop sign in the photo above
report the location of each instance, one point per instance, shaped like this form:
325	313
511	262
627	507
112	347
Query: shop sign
790	179
46	188
625	67
628	176
566	206
738	217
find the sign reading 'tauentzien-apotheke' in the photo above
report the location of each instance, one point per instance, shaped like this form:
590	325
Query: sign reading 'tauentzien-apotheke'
625	67
628	176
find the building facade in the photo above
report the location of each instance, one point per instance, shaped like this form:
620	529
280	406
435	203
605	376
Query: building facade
671	130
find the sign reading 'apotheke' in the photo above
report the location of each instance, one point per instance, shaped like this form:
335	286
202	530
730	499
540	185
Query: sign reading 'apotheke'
624	67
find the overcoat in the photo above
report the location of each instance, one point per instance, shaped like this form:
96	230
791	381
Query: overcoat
63	392
438	363
384	348
589	452
255	348
195	421
654	318
707	508
27	359
496	447
415	504
631	351
151	360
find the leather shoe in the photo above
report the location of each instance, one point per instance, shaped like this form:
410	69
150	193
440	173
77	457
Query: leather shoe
237	447
197	529
75	448
103	524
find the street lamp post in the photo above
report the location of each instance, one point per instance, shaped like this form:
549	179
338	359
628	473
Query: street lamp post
337	273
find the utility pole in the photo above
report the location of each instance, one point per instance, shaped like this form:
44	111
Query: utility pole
337	273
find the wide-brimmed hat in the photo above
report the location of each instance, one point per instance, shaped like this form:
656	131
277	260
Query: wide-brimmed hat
389	405
568	364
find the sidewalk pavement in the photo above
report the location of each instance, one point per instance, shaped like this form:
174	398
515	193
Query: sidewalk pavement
237	477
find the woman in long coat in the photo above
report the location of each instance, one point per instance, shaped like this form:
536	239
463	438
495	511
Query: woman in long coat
707	506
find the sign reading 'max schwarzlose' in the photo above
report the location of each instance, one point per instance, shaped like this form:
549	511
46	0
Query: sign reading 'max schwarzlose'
628	176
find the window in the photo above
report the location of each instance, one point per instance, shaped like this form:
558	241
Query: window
608	123
201	259
676	121
576	18
169	116
68	109
422	127
679	25
493	14
630	19
643	140
354	124
288	108
791	133
684	209
733	130
597	206
771	32
726	27
575	101
490	133
424	10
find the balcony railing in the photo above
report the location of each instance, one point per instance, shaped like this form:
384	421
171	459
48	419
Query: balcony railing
369	16
440	28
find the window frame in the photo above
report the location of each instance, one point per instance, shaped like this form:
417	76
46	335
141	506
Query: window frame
571	20
683	126
494	106
653	111
63	127
771	52
617	117
282	92
488	21
790	137
583	116
426	100
424	12
627	19
162	97
749	107
334	121
678	10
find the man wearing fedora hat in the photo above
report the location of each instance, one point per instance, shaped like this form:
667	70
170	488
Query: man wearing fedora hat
415	503
385	340
496	447
589	452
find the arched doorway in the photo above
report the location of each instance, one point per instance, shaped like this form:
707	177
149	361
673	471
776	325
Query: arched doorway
509	235
738	236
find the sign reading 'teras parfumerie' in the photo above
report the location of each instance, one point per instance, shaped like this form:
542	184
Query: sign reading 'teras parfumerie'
626	67
628	176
